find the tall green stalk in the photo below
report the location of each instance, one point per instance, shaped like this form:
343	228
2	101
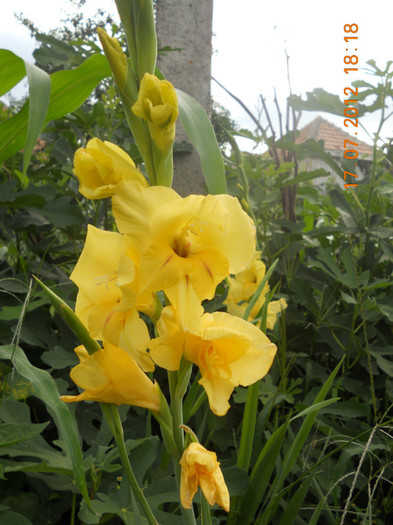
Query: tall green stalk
113	419
177	414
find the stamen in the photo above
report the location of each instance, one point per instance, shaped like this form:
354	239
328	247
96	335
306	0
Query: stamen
105	279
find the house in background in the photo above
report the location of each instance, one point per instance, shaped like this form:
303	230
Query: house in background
333	138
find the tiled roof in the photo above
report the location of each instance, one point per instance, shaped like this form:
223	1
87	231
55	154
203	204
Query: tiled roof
333	137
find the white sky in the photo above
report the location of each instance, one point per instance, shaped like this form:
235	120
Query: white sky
249	42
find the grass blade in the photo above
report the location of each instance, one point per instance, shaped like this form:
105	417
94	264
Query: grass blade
294	452
261	474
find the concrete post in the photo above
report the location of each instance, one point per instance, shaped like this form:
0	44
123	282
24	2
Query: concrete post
187	24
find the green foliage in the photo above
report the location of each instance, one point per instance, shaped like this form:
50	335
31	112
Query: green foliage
320	449
335	270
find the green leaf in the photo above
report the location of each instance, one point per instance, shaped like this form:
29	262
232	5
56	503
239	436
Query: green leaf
292	509
63	213
261	474
12	70
326	263
258	291
349	409
72	87
59	359
69	89
50	459
386	310
321	100
316	407
39	92
311	149
11	433
384	364
46	389
56	52
302	177
236	480
9	313
142	453
343	207
13	518
206	518
348	298
71	319
200	131
13	133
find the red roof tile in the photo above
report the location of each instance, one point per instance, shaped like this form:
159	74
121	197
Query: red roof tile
333	137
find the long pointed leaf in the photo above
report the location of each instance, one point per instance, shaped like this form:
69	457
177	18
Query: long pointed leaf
315	407
292	509
261	474
72	87
294	451
200	131
69	90
12	70
39	93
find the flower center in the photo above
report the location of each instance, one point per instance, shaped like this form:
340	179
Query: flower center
213	360
182	242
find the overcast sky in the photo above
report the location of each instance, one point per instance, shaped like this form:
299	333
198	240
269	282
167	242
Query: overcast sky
249	43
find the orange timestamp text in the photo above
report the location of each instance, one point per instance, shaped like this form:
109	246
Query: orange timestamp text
351	111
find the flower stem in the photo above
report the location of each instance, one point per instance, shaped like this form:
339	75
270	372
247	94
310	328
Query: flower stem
177	415
113	419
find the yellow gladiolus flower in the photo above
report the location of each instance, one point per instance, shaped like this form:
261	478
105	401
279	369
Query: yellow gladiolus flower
188	245
101	166
157	104
241	288
111	375
199	467
228	351
108	302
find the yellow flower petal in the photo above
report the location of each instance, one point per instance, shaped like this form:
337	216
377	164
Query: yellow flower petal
184	242
134	207
96	273
228	351
106	303
111	375
167	350
273	309
189	309
199	467
241	288
240	244
218	391
101	166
